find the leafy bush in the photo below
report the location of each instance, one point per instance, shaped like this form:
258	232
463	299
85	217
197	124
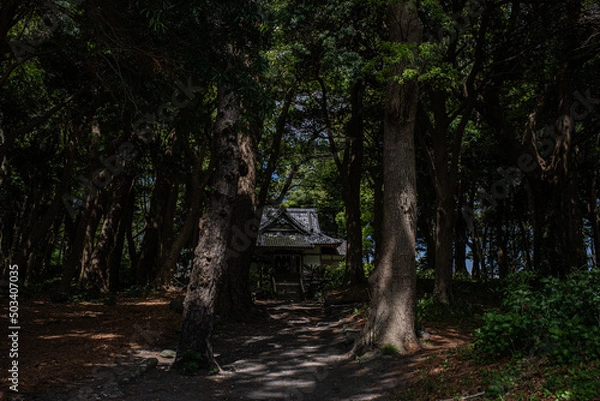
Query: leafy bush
431	310
560	320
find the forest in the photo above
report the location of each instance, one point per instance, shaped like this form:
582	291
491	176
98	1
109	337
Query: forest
454	145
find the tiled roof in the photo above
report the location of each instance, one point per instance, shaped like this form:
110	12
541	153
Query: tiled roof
276	240
292	228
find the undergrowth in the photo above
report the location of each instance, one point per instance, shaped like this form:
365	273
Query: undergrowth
542	343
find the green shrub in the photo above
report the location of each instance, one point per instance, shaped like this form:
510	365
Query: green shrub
430	309
560	320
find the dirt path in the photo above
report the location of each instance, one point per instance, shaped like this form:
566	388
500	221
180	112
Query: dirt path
298	351
302	354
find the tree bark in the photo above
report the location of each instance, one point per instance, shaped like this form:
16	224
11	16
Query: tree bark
96	274
196	184
234	298
210	255
353	163
87	223
393	285
460	247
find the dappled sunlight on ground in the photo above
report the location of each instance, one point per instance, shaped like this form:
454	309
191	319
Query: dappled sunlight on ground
299	352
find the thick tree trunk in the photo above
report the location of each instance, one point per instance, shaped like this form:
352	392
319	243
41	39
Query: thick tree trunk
210	255
234	299
393	284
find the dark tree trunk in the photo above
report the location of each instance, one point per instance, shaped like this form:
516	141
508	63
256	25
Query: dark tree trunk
162	274
87	223
150	247
195	187
460	247
210	255
502	248
352	163
393	284
444	229
593	214
96	273
234	298
551	172
350	170
378	211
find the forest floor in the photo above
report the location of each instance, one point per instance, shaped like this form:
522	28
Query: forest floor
88	351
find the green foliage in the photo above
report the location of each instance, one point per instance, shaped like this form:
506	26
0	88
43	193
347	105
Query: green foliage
324	278
561	320
390	350
579	383
191	361
431	310
335	277
499	382
576	382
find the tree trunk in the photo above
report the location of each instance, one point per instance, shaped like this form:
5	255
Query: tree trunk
150	248
444	229
353	160
502	248
393	285
87	223
234	298
210	255
196	184
460	247
593	214
378	217
96	274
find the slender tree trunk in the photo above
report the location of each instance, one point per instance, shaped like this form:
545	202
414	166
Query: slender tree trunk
593	212
87	223
378	212
96	274
502	248
162	274
210	255
352	163
444	229
393	284
195	186
460	247
152	241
